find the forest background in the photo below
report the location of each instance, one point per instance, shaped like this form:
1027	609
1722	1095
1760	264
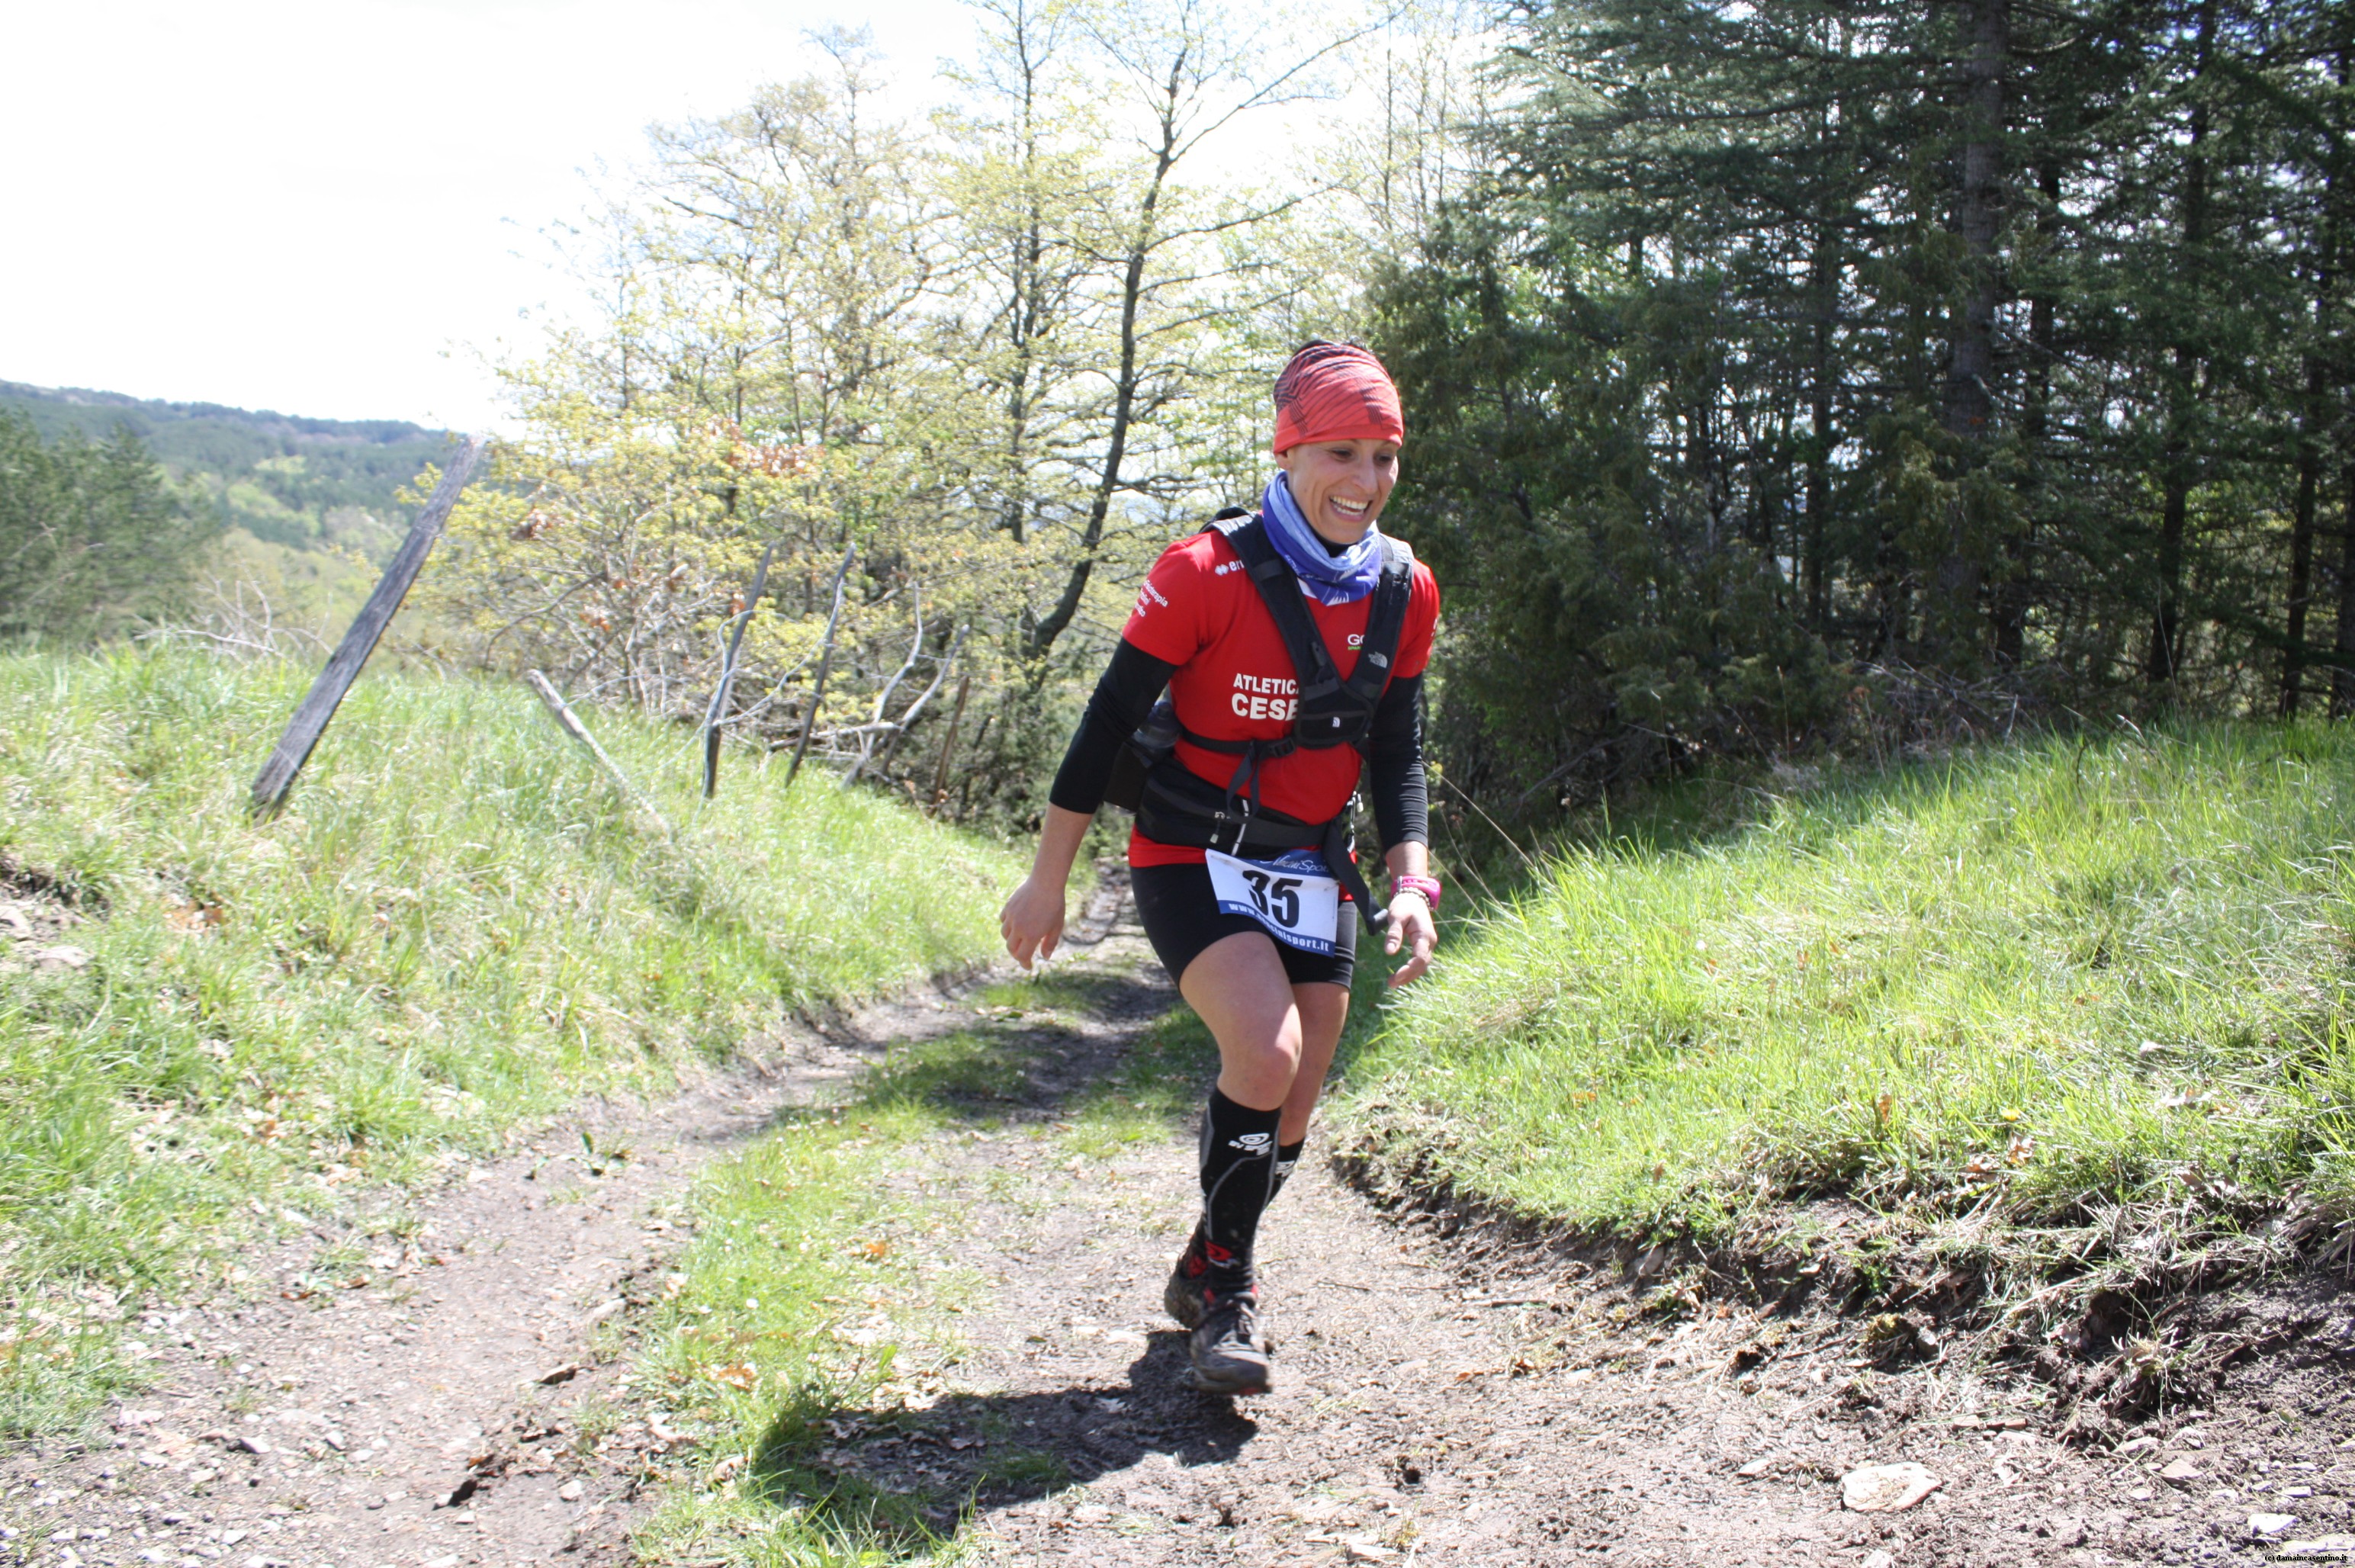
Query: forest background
1780	376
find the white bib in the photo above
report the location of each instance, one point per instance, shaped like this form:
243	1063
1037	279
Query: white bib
1293	896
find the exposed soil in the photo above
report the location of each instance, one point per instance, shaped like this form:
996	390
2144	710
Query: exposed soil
1441	1399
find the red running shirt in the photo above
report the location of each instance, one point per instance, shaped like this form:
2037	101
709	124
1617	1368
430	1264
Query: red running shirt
1199	610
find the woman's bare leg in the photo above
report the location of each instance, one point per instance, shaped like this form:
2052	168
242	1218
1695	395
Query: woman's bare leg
1238	986
1322	1010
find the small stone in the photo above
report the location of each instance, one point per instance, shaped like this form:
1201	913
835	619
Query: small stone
64	955
571	1492
2067	1531
1886	1488
2179	1470
1755	1468
2133	1445
2328	1548
565	1372
1879	1560
2265	1526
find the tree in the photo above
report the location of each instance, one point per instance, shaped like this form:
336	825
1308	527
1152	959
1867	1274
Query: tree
92	543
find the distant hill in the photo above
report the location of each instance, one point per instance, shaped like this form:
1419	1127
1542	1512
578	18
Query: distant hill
302	482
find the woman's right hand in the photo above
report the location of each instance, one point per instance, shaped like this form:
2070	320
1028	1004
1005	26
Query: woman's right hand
1032	920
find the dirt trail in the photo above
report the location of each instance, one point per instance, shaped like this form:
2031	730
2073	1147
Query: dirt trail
1439	1402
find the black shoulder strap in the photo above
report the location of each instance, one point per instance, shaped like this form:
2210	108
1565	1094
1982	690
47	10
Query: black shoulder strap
1280	591
1386	622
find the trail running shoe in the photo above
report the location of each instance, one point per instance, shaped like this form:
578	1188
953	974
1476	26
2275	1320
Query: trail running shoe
1187	1295
1229	1357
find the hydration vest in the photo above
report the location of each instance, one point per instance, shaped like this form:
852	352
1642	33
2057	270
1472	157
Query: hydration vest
1174	805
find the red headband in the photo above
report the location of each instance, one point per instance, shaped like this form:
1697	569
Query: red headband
1335	391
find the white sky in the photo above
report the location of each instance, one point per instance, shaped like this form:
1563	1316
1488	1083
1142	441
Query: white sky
335	207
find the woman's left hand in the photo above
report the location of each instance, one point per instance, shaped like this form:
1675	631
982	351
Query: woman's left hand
1412	928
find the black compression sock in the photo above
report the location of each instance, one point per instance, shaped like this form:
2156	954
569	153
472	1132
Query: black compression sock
1238	1178
1286	1156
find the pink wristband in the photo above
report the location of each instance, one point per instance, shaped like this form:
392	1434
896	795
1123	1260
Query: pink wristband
1427	886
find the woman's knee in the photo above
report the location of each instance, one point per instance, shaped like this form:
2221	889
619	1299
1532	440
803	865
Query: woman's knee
1265	1052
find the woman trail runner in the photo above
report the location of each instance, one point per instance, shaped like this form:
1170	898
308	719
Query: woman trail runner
1293	645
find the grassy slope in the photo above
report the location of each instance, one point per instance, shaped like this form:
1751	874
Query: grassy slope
2031	1005
454	927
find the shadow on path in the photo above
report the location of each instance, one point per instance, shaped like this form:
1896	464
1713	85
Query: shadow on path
1020	1054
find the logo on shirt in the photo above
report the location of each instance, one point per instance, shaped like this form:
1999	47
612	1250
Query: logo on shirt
1151	593
1224	567
1357	639
1265	697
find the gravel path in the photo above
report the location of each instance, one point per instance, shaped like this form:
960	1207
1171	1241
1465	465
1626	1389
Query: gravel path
1441	1400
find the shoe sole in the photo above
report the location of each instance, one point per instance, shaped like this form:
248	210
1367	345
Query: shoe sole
1232	1388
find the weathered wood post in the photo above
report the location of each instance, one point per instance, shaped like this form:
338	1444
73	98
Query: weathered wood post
824	662
343	666
719	708
948	745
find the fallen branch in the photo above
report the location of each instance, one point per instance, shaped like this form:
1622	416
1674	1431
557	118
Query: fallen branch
579	732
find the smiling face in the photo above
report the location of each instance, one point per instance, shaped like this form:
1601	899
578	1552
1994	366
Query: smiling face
1341	485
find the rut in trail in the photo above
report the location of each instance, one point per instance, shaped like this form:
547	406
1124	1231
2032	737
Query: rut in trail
1443	1407
1438	1402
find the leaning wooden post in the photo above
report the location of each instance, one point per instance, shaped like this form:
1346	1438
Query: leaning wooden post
580	731
719	708
343	667
824	662
940	774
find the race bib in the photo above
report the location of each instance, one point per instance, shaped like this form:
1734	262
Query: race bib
1293	896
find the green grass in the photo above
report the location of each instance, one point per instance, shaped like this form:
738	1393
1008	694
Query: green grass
454	927
2045	1002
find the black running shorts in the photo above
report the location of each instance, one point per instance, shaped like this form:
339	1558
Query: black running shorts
1181	917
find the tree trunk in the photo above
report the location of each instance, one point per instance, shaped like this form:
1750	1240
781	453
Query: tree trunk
2015	592
1970	400
1143	244
1825	281
2342	679
2323	359
2166	656
2301	534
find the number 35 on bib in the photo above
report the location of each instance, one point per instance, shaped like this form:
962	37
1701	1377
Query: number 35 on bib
1292	896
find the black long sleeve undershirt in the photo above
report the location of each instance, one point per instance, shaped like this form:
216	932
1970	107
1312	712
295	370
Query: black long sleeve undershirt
1134	681
1126	694
1394	763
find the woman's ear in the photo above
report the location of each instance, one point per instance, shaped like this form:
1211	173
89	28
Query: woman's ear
1284	458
